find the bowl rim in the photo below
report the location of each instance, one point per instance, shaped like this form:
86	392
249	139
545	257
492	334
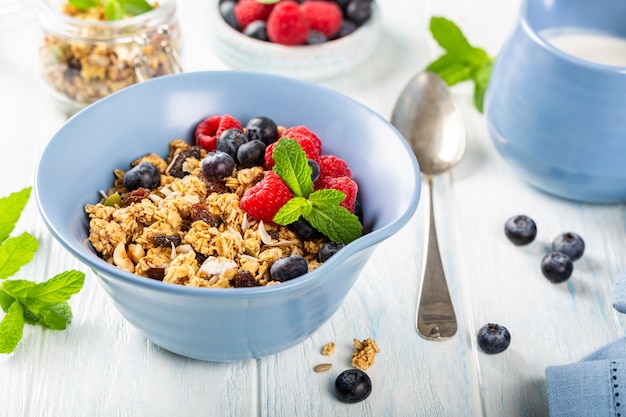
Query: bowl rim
312	278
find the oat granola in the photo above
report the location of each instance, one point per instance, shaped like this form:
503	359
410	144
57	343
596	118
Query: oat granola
191	231
86	60
364	353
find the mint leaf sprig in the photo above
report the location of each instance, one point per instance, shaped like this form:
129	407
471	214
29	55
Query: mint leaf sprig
114	9
321	208
461	60
27	302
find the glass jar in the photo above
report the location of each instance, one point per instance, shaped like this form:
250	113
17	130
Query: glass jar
83	60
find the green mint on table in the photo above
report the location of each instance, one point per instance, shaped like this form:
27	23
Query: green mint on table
25	301
115	9
461	61
320	208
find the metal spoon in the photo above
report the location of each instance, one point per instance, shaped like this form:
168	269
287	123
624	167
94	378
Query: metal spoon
431	121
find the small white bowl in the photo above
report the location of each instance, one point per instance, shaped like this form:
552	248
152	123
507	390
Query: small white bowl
306	62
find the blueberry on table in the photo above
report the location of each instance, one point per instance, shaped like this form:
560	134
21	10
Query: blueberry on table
493	338
557	267
217	165
262	128
570	244
142	175
352	386
289	267
520	229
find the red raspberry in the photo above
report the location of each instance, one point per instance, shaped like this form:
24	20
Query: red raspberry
344	184
247	11
303	130
332	166
211	128
305	142
323	16
263	200
286	24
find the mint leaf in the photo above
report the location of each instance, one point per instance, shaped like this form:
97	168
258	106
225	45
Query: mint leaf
5	300
16	252
11	328
11	208
26	301
461	60
327	197
54	316
291	164
58	288
113	10
292	211
336	222
18	288
136	7
84	5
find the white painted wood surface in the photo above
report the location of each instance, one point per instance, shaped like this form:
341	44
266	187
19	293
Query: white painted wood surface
101	366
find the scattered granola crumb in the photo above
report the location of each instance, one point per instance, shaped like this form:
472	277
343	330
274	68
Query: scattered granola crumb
328	348
323	367
364	353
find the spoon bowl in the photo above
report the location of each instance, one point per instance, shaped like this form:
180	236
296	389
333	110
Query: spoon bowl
431	121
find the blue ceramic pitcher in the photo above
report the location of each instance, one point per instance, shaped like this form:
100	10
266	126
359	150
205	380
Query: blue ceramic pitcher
559	120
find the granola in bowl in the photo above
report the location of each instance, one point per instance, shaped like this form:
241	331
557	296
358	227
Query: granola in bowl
182	226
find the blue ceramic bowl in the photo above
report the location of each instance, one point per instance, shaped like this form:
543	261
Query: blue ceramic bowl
224	324
556	118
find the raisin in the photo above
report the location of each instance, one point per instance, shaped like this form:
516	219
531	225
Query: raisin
200	257
274	234
243	279
136	196
199	212
156	273
167	241
176	167
216	186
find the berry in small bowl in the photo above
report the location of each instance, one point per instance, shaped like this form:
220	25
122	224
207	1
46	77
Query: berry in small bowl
310	39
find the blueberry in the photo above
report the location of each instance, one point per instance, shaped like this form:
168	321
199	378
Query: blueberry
493	338
251	154
257	29
346	28
227	11
359	11
557	267
230	140
520	229
315	169
304	230
329	250
289	267
262	128
217	165
143	175
352	386
316	37
569	244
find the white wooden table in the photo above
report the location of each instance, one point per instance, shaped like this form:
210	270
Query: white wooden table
101	366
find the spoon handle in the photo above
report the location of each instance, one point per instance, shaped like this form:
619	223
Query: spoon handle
436	319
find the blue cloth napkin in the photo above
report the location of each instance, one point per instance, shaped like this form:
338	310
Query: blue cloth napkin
595	386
